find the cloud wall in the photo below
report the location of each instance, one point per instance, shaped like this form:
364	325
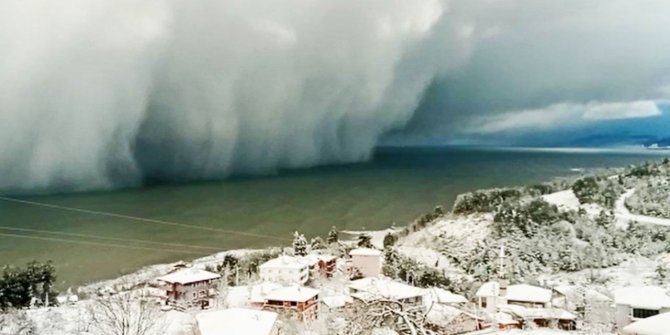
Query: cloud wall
100	93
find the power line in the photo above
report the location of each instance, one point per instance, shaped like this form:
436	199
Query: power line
98	237
143	220
103	244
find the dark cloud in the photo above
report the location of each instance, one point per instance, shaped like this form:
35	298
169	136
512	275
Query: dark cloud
101	93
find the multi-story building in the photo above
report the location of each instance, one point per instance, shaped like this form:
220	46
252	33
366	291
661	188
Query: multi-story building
298	301
285	270
189	287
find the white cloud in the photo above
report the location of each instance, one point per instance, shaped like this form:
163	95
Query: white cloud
561	115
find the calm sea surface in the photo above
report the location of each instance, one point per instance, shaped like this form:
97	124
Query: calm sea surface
397	186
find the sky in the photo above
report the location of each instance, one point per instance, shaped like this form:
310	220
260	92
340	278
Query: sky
99	94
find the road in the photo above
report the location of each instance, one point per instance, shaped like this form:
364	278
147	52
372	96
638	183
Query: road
624	215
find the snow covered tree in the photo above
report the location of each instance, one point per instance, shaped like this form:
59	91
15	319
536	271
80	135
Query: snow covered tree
389	240
299	244
124	314
662	273
317	243
364	241
333	236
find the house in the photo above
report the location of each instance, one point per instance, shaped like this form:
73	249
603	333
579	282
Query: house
285	270
189	287
541	317
585	301
299	301
654	325
444	297
249	296
448	320
639	302
367	261
237	321
321	265
370	289
491	295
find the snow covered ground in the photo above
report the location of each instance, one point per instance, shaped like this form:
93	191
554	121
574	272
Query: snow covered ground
456	234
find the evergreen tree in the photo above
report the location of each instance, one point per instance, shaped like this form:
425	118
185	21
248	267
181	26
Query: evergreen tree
333	236
389	240
299	244
317	243
365	241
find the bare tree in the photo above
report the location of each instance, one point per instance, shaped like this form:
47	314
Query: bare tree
125	315
363	317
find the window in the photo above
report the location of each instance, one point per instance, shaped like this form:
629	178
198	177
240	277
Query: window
639	313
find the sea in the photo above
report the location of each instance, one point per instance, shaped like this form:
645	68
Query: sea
100	235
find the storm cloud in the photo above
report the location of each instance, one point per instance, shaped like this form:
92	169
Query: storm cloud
100	93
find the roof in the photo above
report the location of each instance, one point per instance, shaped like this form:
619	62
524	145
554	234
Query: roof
364	252
443	296
236	321
538	313
520	292
442	315
528	293
489	289
187	276
375	288
655	325
285	262
292	293
648	297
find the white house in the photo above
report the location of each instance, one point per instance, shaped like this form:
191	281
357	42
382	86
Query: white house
237	321
655	325
637	303
490	296
370	289
285	270
367	261
444	297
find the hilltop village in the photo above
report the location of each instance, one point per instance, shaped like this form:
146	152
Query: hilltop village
589	255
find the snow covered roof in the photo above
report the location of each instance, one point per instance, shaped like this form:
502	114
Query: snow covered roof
504	319
520	292
655	325
442	315
236	321
528	293
187	276
375	288
364	252
649	297
285	262
576	292
260	291
489	289
337	301
292	293
443	296
537	313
